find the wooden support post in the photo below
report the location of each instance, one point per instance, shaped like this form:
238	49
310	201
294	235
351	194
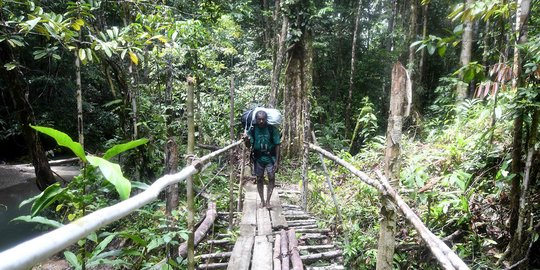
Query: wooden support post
189	182
240	204
305	189
293	248
231	157
329	183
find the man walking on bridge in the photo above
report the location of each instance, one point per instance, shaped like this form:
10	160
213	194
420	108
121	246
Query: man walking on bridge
265	140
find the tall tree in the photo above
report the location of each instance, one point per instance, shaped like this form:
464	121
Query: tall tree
19	92
298	79
420	73
392	161
466	50
171	147
348	115
280	54
516	247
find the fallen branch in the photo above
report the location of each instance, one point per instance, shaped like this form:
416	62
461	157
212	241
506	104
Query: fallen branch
202	230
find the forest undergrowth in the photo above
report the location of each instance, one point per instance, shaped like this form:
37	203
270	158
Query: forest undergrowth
455	175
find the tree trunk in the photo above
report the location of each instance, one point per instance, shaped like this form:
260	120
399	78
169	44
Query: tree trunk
171	148
19	92
521	235
420	73
411	65
390	40
298	84
231	156
465	56
267	35
276	72
517	211
348	114
189	182
392	163
80	126
517	164
171	163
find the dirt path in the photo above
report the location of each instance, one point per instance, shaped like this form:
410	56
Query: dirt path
11	175
17	183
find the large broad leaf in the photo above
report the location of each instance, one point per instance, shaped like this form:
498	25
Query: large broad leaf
72	259
46	198
40	220
113	174
102	245
63	140
117	149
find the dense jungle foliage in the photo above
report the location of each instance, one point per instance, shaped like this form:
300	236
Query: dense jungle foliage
470	156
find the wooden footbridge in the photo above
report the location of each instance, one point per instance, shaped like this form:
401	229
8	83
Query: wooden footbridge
281	237
284	237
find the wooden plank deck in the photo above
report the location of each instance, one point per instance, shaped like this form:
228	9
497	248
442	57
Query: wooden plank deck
254	247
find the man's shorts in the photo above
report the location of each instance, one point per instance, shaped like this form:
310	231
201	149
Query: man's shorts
259	169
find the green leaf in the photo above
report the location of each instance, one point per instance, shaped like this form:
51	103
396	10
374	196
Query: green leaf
40	220
431	49
46	198
32	23
29	200
113	174
416	43
133	58
63	139
10	66
139	185
103	245
72	259
442	51
117	149
469	75
89	54
82	54
92	237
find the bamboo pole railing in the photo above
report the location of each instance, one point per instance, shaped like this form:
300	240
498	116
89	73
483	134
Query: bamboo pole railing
31	252
444	255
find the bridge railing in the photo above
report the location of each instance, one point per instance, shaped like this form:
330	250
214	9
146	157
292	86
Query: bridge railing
446	257
31	252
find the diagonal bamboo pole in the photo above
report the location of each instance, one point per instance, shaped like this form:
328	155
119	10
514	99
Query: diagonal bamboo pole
31	252
446	257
